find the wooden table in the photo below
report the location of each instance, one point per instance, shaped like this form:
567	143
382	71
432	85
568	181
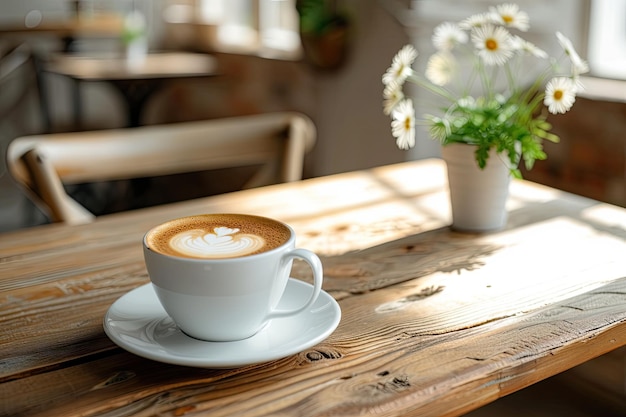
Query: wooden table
434	323
136	83
100	25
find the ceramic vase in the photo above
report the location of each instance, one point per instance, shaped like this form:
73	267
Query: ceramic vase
136	40
477	197
136	52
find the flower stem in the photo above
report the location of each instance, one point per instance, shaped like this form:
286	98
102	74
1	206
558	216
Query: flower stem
435	89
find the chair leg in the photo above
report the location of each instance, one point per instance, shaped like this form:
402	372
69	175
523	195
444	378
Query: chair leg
295	148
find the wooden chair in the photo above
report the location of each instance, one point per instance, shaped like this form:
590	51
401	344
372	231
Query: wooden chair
20	76
43	164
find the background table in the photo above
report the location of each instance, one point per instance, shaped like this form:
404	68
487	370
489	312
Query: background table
435	323
102	25
136	83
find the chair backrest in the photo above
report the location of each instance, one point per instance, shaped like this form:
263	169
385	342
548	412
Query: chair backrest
17	78
42	164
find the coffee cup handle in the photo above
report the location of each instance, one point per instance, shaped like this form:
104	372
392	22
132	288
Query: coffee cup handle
318	276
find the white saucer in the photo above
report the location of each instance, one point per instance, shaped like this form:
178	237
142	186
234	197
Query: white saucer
138	323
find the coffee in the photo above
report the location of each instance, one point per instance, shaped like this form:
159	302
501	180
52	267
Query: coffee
221	277
217	236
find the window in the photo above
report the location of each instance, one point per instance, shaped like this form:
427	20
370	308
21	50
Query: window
263	27
607	39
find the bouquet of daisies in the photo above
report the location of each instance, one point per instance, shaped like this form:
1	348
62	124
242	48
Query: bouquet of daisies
485	52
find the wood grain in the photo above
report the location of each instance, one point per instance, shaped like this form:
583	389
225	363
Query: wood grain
434	323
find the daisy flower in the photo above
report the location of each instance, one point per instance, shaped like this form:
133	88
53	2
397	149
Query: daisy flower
510	16
439	128
400	67
523	45
447	35
466	102
392	95
403	124
493	44
579	66
560	95
441	68
476	21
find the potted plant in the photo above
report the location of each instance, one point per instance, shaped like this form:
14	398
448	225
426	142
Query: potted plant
490	119
134	37
324	32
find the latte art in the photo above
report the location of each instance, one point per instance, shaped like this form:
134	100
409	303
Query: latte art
217	236
223	243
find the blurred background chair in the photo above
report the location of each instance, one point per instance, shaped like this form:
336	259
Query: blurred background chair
21	113
274	144
14	65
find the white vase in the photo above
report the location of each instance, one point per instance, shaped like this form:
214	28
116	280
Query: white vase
135	35
477	197
136	52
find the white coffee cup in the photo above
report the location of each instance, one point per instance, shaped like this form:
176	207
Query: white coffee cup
213	293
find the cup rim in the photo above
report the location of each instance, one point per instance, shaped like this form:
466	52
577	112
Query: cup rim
292	237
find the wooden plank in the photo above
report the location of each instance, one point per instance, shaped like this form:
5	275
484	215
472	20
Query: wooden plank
370	363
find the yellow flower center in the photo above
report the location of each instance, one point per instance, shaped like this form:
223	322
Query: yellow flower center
407	123
491	44
507	19
558	94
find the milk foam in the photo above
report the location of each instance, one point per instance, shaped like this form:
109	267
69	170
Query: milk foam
223	243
